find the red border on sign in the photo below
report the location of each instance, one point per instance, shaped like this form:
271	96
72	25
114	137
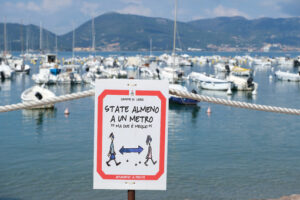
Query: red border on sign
162	135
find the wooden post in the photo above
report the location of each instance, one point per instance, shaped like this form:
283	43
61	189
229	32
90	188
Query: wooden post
131	194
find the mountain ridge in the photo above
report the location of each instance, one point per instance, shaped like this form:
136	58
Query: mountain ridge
127	32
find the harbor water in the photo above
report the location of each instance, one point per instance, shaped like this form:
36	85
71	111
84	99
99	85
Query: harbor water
232	153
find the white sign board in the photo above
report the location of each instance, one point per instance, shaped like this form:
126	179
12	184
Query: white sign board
131	134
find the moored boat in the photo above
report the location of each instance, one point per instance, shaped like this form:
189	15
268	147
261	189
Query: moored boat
210	83
240	71
242	84
181	100
37	93
287	76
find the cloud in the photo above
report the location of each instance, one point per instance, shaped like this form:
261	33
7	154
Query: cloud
136	10
270	4
46	6
90	9
137	2
30	6
290	7
227	12
197	17
283	8
55	5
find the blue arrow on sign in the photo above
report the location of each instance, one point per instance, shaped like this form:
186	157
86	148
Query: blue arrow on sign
131	150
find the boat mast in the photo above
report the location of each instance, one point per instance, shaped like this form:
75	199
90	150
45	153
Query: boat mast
174	33
73	43
5	44
56	49
93	35
150	47
27	39
21	33
41	37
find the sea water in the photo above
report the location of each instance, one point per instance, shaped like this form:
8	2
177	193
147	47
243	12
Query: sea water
232	153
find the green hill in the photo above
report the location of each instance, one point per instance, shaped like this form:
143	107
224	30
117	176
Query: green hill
127	32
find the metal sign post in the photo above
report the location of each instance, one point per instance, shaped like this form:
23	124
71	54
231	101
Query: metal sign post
131	132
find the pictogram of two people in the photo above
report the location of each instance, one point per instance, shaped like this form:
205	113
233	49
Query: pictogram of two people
112	153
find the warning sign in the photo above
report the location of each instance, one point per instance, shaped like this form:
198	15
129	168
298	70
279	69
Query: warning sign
130	143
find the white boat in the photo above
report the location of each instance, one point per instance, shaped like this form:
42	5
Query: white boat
285	62
18	65
196	77
223	67
69	75
262	62
22	68
287	76
216	84
45	76
240	71
147	73
88	77
49	61
48	71
173	75
209	83
5	71
37	93
242	84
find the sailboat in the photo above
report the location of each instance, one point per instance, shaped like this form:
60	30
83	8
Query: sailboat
70	74
174	98
18	64
172	72
92	65
5	71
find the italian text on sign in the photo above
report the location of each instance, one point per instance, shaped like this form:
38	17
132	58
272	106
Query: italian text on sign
131	134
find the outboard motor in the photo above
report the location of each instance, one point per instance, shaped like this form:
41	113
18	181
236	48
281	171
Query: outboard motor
157	70
2	75
180	74
296	63
72	76
87	69
115	63
250	82
227	68
38	95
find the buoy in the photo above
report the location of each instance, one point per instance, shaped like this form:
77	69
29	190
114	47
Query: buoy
229	92
254	92
208	110
66	111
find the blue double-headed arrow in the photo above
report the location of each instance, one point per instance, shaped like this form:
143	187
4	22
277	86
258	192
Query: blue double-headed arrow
131	150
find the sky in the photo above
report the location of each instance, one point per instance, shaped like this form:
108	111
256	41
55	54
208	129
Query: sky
59	16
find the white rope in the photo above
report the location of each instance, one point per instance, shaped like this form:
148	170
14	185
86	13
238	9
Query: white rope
235	103
208	99
48	101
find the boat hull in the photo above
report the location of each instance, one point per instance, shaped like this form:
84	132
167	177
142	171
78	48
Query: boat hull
215	85
182	101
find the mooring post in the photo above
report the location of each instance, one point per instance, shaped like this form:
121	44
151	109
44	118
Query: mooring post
131	194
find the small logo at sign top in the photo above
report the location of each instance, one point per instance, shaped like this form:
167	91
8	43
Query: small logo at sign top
132	92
